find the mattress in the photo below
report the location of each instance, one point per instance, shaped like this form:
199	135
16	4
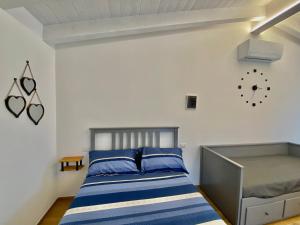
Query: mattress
270	176
149	199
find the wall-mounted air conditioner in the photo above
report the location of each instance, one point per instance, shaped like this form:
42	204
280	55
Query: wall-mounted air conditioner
259	50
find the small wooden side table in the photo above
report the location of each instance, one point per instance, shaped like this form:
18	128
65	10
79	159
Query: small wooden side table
65	163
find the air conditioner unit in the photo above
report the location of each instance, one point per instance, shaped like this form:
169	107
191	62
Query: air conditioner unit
258	50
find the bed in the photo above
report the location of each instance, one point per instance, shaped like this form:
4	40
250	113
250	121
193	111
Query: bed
255	183
145	198
270	176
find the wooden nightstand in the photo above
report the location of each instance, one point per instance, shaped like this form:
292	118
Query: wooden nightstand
65	163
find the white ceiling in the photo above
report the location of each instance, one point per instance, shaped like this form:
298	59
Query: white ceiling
50	12
291	26
76	20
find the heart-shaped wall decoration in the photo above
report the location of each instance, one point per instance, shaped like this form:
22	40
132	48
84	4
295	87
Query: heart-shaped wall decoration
35	112
15	104
28	85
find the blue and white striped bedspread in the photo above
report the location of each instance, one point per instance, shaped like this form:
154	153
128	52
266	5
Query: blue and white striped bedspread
149	199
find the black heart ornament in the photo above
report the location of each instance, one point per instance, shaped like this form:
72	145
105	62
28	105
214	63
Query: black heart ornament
15	104
35	112
28	85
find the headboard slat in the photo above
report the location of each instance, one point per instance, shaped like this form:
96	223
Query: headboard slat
113	140
134	137
151	139
128	138
175	138
157	138
92	139
143	138
121	136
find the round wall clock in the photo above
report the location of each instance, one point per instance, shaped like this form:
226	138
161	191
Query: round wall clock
254	87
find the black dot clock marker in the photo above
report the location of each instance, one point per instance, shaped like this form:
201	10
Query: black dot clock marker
255	87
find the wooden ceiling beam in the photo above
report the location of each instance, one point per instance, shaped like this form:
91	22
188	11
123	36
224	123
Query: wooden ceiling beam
276	6
115	27
277	15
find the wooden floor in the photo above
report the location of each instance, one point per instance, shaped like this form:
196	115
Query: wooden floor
56	211
60	206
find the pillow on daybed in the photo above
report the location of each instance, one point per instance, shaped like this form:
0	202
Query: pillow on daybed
112	162
162	159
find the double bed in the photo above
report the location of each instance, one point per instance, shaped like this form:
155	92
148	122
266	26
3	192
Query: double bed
253	184
157	198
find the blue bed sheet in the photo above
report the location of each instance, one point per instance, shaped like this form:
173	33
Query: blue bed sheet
140	199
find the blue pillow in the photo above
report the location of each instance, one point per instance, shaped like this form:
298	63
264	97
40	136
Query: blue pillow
162	159
112	162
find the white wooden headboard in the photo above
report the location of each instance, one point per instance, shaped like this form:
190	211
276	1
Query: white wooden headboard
134	137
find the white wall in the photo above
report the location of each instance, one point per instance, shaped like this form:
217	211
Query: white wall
143	82
28	152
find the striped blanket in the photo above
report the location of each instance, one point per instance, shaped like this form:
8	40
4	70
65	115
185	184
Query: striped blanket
149	199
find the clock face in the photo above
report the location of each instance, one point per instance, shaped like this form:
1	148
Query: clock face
254	87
